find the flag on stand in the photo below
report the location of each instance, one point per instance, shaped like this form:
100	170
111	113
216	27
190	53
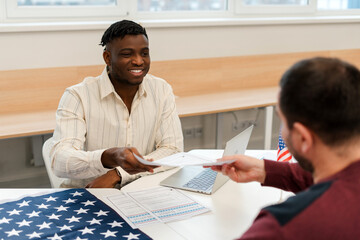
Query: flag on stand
72	214
283	154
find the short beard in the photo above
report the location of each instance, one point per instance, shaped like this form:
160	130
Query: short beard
303	162
123	81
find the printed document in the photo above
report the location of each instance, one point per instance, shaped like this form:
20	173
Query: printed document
159	204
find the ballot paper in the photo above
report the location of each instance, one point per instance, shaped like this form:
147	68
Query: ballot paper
183	159
154	205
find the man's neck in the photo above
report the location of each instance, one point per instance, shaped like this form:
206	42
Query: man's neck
332	160
126	92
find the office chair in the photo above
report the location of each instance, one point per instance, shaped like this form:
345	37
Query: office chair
54	180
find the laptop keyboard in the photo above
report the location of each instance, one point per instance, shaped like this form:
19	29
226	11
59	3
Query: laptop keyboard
203	180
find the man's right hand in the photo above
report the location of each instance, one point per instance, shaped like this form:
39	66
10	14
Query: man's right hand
244	169
124	157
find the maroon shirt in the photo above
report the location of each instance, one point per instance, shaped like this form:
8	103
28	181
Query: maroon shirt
327	210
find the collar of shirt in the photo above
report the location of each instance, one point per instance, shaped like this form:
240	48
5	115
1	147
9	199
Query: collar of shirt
106	87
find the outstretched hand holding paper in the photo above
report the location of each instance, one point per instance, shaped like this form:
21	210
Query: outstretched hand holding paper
236	145
183	159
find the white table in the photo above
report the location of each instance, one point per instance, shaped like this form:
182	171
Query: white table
233	207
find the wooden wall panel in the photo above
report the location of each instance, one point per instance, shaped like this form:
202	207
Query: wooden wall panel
32	90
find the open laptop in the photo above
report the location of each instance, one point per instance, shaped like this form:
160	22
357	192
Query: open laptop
205	180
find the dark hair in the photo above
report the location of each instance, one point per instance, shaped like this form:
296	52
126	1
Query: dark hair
120	29
324	95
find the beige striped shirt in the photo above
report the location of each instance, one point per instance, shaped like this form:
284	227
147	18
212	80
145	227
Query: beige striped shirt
91	118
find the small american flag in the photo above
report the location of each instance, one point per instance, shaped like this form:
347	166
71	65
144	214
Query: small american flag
72	214
283	154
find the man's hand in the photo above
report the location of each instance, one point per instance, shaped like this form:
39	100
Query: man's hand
108	180
124	158
244	169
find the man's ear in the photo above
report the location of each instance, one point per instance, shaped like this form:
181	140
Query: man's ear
107	57
302	137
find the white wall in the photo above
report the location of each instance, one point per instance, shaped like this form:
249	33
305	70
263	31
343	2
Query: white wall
70	48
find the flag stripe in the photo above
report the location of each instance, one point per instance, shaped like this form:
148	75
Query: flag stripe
286	158
283	154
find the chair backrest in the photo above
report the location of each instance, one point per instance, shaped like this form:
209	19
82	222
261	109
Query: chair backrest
54	180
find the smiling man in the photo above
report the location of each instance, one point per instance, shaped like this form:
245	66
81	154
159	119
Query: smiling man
319	106
103	120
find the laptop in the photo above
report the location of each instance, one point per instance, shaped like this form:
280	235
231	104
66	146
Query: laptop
205	180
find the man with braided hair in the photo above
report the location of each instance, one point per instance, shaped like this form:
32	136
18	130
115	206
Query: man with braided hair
103	120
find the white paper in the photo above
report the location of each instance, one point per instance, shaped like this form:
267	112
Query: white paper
159	204
168	204
183	159
132	212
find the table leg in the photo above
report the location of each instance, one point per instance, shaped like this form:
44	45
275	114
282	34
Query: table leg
269	112
36	145
219	131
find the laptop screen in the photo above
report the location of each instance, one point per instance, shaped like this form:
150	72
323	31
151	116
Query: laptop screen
238	144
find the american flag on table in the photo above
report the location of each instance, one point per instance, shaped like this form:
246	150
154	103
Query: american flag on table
283	154
72	214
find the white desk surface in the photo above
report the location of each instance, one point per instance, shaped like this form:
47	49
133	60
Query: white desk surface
233	207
